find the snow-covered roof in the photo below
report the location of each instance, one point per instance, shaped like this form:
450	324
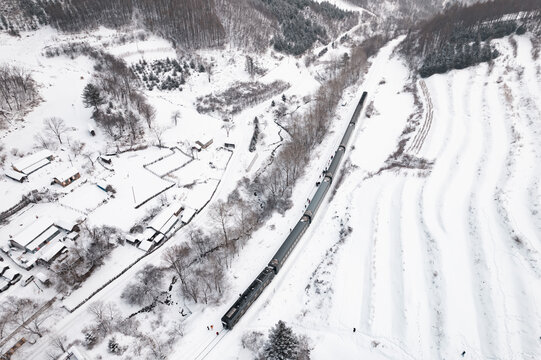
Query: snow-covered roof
187	214
165	220
148	233
66	174
145	245
67	223
159	238
15	175
32	231
42	277
47	235
52	251
31	163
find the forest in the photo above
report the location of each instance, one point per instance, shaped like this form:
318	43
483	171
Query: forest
460	36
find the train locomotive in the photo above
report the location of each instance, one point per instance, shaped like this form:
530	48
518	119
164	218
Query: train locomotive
233	315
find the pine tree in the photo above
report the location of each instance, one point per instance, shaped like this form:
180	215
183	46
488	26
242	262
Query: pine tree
92	96
282	344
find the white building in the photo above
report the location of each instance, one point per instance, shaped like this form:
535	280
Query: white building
31	163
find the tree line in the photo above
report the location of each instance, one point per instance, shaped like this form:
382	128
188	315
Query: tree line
460	35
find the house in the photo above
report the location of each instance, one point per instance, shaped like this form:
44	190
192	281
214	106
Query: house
165	220
35	236
52	252
15	175
31	163
67	177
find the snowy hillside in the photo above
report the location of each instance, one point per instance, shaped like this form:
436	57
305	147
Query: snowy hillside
440	261
145	183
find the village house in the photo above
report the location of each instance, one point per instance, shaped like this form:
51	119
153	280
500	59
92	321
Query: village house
31	163
67	177
15	175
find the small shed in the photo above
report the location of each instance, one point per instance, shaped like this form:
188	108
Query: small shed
204	145
229	145
44	279
67	177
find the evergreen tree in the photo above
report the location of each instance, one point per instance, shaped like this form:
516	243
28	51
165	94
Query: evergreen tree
282	344
92	96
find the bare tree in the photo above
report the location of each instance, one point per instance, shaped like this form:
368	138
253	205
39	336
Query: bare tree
148	112
158	134
227	126
178	258
56	127
27	314
221	216
175	117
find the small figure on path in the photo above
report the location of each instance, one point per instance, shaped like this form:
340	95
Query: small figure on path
208	328
463	353
217	333
211	327
354	329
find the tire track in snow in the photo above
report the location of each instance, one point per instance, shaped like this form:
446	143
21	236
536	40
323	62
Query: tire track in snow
518	241
421	135
489	329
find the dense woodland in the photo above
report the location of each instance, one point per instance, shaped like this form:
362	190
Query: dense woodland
293	26
460	36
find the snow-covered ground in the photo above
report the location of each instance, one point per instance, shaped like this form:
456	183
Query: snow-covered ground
439	261
436	265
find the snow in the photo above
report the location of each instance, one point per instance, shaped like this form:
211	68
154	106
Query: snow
438	261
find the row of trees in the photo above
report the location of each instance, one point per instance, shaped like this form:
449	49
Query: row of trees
239	96
18	91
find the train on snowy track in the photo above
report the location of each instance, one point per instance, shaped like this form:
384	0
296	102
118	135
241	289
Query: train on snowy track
233	315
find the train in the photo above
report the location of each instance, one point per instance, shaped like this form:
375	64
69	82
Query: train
246	299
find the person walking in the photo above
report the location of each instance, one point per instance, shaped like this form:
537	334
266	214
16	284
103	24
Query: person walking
354	329
217	333
208	327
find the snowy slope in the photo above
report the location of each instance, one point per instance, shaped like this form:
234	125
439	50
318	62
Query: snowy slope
436	264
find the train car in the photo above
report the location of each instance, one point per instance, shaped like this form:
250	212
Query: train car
246	299
283	253
318	197
233	315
